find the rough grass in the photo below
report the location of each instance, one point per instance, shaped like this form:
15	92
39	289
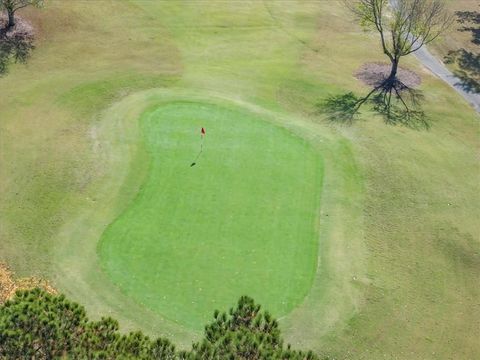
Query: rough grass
456	39
397	272
459	48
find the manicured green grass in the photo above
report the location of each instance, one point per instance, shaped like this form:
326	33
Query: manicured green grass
397	268
242	221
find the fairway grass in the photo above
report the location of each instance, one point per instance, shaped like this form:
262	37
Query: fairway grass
242	221
85	125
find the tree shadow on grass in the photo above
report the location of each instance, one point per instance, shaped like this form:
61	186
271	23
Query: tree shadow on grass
396	103
469	69
468	62
470	21
14	47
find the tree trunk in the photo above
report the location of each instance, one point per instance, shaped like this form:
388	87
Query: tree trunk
393	71
11	19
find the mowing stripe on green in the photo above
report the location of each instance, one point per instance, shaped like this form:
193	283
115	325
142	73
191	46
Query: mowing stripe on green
242	221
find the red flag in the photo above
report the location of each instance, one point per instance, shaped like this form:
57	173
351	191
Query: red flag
203	131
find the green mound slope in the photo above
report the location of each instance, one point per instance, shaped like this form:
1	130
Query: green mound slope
242	221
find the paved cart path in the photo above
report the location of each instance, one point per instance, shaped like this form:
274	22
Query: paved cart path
440	70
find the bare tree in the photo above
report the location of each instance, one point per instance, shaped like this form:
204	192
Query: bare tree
404	26
11	7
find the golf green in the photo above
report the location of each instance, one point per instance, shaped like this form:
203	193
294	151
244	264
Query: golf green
242	221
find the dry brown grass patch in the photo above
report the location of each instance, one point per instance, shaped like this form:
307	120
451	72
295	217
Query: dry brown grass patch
9	285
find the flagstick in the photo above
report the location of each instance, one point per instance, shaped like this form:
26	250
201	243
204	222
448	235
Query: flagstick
200	152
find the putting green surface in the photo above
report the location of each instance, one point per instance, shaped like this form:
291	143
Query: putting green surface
243	220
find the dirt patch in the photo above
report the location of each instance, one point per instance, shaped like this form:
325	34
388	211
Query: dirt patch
373	74
9	285
22	28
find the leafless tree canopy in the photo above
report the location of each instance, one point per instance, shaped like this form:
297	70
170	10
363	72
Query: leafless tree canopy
404	25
